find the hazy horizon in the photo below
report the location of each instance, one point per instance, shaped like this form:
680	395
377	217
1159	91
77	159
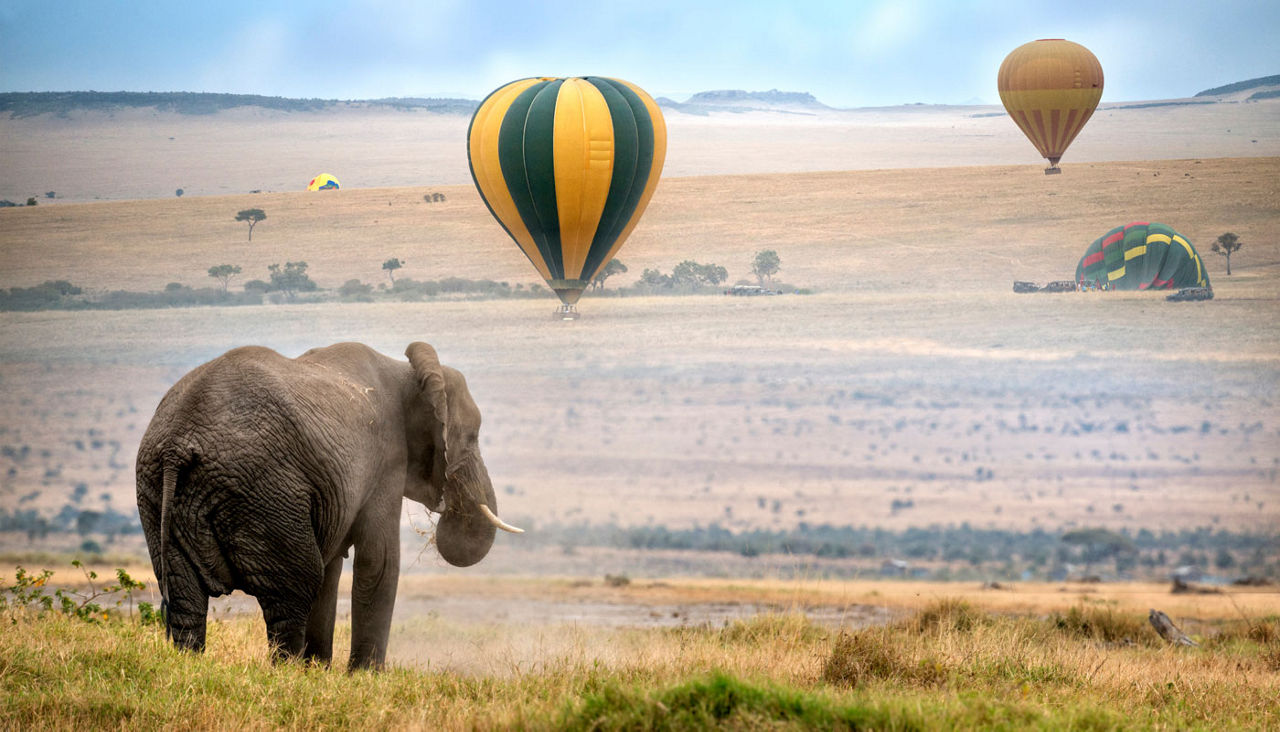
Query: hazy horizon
857	54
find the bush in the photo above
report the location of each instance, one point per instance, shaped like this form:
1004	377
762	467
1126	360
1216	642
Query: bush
50	294
355	290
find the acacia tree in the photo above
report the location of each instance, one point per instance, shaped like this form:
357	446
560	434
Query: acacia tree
223	273
391	265
1226	245
290	279
253	216
1098	544
612	268
691	273
766	265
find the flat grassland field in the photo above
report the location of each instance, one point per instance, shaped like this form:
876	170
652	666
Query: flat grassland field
913	373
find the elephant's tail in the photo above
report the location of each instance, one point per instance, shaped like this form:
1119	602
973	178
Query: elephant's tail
169	487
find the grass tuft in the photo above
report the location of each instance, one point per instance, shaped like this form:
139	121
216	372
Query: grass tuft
717	701
791	628
877	654
1105	625
946	615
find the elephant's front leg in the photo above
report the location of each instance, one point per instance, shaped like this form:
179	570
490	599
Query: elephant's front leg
319	646
373	592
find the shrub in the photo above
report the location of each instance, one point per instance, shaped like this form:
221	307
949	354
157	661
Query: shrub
49	294
356	290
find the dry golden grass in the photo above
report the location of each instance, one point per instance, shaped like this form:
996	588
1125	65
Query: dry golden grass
950	665
966	229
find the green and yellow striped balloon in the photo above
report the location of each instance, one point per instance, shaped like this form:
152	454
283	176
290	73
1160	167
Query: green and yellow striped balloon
1142	256
567	167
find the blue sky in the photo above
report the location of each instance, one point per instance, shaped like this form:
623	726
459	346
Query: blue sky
846	53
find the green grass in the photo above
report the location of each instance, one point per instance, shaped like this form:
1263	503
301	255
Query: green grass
950	666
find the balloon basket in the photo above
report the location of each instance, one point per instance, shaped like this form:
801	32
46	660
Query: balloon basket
1052	170
565	312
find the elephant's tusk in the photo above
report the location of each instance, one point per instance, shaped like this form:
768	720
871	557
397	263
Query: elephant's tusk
499	522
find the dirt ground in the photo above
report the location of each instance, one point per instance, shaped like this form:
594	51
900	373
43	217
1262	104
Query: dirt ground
136	153
914	374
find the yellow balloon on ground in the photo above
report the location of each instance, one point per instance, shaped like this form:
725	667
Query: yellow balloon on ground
567	167
1050	88
323	182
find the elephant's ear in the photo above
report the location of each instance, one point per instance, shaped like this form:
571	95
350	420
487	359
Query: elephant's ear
426	368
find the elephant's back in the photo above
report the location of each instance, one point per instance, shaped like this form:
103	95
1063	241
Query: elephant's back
219	403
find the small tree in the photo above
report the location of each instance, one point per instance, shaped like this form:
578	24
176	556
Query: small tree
391	265
1226	245
690	273
223	273
253	216
291	279
178	193
653	279
766	265
1098	544
610	269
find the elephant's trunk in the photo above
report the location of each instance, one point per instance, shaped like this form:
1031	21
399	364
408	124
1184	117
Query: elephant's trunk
464	534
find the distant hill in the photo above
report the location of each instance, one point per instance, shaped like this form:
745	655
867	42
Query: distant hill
31	104
1241	86
737	100
60	104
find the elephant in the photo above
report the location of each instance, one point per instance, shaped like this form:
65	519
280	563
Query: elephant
259	472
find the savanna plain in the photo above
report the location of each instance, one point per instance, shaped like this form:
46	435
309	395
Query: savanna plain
911	388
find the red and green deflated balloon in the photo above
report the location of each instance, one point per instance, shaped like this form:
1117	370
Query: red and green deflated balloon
1142	256
567	167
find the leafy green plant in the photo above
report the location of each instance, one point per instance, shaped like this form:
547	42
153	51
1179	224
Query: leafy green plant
29	591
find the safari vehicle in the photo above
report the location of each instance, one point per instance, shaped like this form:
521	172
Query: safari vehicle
749	290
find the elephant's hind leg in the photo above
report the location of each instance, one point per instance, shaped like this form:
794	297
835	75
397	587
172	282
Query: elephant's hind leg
284	571
319	646
286	619
187	607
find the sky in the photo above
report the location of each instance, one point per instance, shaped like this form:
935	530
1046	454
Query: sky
848	54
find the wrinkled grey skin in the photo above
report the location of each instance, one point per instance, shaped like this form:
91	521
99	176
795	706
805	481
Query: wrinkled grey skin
259	472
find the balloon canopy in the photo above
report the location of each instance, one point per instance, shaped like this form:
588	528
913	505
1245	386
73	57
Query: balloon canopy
567	167
1142	256
323	182
1050	88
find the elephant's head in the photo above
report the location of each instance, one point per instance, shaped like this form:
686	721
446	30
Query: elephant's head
462	491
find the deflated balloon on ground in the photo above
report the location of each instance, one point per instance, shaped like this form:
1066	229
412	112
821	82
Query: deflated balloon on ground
1142	256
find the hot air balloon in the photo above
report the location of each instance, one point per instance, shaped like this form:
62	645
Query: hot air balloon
1141	256
1050	88
567	167
323	182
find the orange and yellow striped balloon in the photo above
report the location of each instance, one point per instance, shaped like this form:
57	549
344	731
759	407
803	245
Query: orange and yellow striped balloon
1050	88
